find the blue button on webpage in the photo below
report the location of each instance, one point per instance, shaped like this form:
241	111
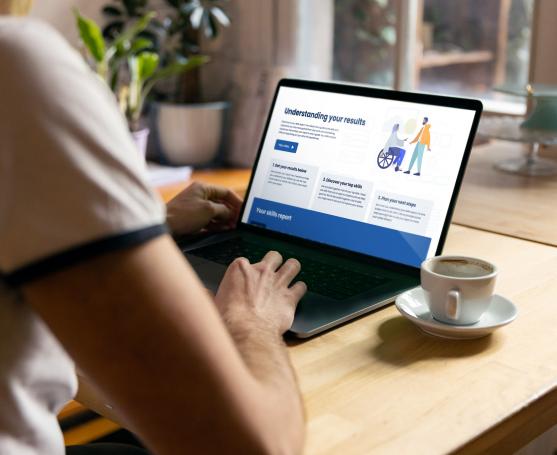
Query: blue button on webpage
286	146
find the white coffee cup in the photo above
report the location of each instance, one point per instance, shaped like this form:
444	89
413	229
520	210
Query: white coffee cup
458	288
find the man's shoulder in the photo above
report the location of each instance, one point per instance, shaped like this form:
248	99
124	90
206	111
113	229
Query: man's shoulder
39	60
28	39
14	28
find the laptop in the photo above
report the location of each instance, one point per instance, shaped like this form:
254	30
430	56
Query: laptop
358	184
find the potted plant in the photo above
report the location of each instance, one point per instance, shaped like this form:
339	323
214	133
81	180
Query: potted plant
186	130
120	14
129	68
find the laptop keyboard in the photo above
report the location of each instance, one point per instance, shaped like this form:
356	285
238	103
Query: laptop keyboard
321	278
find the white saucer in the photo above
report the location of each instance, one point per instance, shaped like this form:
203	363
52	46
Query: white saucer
412	305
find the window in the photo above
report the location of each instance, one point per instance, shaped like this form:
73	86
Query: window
364	41
474	45
463	47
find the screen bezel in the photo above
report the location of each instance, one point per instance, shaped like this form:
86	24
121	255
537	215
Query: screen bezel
370	92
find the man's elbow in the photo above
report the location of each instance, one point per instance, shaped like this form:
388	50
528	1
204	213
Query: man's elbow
284	441
278	440
283	431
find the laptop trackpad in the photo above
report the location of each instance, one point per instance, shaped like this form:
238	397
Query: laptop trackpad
210	273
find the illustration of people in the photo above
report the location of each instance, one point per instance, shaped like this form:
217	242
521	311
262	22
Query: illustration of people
422	141
394	146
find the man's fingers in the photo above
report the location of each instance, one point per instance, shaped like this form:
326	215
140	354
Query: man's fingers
273	259
233	200
220	211
221	193
298	289
241	261
288	271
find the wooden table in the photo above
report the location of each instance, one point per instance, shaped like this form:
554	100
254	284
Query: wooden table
523	207
379	385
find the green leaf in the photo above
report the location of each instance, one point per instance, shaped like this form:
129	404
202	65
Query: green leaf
140	44
174	69
114	79
91	35
141	66
147	63
134	98
179	67
131	32
133	67
151	36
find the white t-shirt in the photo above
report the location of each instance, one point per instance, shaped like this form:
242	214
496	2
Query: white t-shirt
71	187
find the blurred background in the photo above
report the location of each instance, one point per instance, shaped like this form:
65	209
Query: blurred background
459	47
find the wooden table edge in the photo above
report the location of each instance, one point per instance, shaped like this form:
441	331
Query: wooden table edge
517	429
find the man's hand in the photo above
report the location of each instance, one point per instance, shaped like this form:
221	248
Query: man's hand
257	305
258	295
202	206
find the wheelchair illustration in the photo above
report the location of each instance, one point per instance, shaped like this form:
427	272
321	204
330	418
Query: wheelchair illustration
385	159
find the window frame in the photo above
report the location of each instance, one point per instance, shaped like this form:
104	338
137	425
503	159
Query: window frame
409	15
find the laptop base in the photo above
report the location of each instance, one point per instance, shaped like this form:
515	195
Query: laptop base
315	312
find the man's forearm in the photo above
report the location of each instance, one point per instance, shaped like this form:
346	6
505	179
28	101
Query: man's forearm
264	353
266	356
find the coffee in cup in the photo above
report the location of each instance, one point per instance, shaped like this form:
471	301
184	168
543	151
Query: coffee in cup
458	289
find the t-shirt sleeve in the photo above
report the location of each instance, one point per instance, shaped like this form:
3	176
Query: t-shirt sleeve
72	184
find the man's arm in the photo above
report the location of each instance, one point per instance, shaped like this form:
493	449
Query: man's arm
141	326
89	396
417	137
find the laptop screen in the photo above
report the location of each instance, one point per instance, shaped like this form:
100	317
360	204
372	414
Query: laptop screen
370	175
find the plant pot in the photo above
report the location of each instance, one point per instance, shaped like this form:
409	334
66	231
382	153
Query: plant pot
140	138
188	134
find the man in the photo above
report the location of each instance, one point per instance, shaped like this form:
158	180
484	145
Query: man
422	141
89	274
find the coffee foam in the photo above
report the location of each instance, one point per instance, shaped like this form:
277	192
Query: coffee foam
461	268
